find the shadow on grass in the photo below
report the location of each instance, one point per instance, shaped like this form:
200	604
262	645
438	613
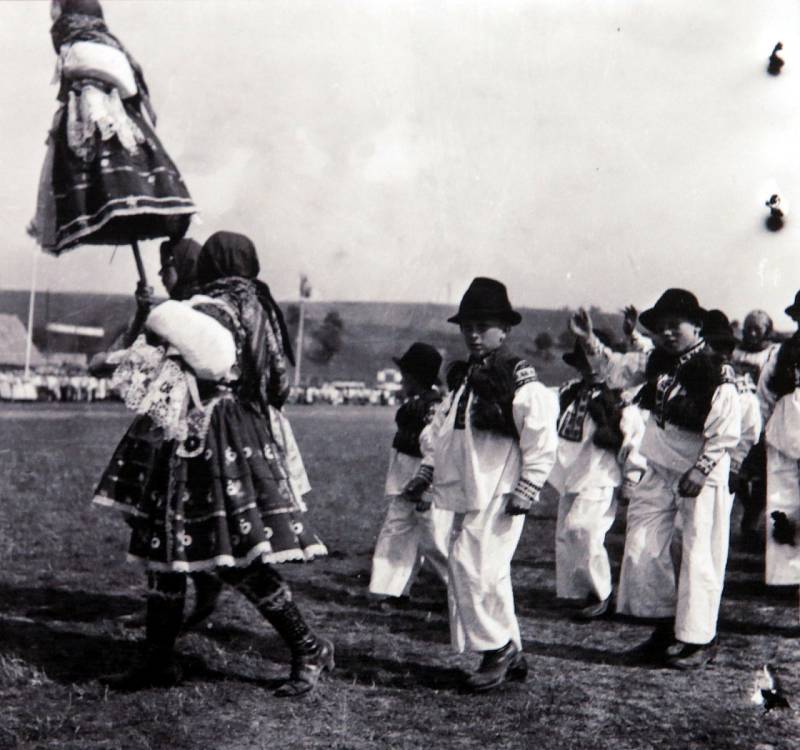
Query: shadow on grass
68	605
584	654
368	669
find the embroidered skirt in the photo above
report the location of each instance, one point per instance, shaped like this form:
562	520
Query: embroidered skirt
227	506
109	194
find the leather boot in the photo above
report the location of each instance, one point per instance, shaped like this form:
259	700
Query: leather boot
499	666
307	670
207	588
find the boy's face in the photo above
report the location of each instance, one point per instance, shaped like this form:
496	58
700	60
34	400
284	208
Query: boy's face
483	336
410	386
755	329
675	334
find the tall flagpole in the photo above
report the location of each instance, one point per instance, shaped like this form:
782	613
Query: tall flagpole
29	342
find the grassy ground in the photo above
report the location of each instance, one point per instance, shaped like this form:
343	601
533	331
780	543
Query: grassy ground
64	581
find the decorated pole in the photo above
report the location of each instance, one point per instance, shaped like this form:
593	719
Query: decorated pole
32	299
305	293
137	256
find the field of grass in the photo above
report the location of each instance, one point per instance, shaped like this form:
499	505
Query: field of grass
64	580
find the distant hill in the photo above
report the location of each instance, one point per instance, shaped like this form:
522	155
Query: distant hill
372	332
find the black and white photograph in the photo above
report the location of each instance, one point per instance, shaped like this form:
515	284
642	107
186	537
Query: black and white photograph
400	374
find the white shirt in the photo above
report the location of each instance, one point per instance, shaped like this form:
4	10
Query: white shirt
471	466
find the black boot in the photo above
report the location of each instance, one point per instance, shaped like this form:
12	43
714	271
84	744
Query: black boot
207	588
158	666
311	656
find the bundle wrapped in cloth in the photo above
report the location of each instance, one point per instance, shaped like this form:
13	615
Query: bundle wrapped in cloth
160	380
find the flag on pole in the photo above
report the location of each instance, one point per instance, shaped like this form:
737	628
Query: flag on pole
305	287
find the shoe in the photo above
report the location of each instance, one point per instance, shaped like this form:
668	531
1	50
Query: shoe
682	655
654	649
503	665
594	611
307	670
153	672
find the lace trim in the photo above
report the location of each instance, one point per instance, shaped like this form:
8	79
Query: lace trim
95	111
151	383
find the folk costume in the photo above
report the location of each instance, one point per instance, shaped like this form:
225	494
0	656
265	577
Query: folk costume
494	435
106	179
412	531
216	494
779	396
694	422
598	448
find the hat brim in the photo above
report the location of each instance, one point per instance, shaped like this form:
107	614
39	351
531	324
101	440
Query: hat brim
424	381
649	318
793	311
511	317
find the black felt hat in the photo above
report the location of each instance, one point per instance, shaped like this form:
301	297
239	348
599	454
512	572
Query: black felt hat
422	361
793	311
577	357
717	330
674	302
486	299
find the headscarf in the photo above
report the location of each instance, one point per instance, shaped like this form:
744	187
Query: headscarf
183	254
82	21
227	268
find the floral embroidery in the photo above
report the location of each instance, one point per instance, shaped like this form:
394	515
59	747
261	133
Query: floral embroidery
245	526
186	540
297	527
248	451
155	542
268	453
268	532
233	488
230	455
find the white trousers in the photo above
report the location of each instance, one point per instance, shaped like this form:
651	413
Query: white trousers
647	581
479	593
582	564
783	495
406	539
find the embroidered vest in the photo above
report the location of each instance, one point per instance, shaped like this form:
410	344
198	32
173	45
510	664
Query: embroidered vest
602	404
679	390
492	383
411	419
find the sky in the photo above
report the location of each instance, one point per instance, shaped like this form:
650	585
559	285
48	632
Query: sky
582	152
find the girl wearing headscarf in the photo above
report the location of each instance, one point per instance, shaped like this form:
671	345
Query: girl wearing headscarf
106	179
220	498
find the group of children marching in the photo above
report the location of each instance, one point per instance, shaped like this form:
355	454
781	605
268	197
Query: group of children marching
669	425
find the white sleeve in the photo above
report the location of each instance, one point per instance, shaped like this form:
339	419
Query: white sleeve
766	398
640	343
535	410
751	429
722	428
618	370
631	460
427	437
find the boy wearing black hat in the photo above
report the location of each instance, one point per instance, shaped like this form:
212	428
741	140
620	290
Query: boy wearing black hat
779	396
494	443
598	449
412	531
694	422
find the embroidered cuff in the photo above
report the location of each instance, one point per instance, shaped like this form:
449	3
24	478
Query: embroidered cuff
425	473
705	464
527	490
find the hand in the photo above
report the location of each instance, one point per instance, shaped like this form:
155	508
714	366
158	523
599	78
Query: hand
580	323
629	320
627	489
424	505
691	483
144	297
516	505
414	489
